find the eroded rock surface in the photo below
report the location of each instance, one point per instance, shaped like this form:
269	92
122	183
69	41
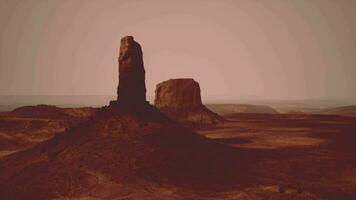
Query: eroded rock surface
131	88
180	99
178	93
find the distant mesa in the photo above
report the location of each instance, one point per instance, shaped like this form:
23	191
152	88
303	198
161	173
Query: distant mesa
180	99
348	111
39	111
224	109
52	112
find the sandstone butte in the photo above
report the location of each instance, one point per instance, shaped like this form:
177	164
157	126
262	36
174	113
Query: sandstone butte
180	99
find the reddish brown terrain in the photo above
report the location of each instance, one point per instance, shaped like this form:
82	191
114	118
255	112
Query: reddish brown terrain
29	125
145	156
132	150
52	112
116	148
314	152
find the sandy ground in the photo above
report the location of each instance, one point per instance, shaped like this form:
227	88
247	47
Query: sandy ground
20	133
289	156
312	152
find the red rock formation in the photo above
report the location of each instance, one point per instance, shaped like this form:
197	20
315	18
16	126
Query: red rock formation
131	88
178	94
180	99
119	145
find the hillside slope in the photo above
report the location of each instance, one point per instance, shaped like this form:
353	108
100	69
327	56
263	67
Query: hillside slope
122	146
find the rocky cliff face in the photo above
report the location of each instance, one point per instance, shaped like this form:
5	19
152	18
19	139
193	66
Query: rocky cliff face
180	99
131	88
178	93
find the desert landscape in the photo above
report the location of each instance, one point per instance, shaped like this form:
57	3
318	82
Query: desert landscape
177	100
174	149
268	156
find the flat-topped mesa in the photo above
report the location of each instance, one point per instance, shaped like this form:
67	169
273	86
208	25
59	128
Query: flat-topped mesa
183	93
131	89
180	99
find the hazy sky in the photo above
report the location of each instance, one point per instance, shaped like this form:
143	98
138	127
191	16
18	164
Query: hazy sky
238	49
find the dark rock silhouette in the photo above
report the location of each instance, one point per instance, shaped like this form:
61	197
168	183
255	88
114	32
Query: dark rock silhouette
180	99
131	88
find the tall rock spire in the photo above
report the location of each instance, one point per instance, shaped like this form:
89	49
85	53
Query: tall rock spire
131	88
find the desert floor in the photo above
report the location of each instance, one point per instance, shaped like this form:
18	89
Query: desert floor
285	156
313	152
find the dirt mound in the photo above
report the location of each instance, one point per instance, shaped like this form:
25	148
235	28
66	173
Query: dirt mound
180	99
125	145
